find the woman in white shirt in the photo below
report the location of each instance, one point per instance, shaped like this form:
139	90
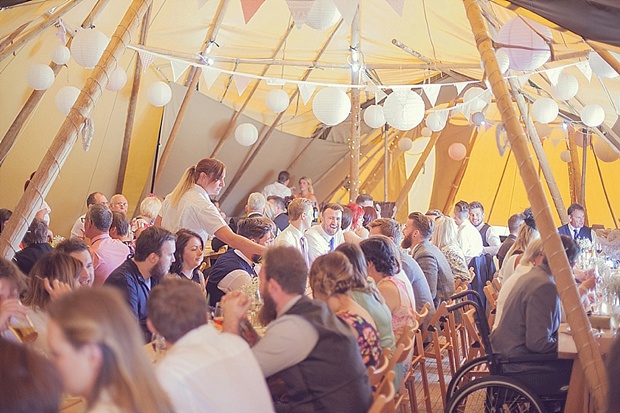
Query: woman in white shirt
527	233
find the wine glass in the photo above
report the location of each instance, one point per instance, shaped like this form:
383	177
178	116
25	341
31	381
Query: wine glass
218	315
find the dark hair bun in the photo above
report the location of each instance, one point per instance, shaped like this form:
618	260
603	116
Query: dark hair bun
528	217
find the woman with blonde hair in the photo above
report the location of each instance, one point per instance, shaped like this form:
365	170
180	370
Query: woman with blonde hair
306	190
189	206
331	279
149	208
527	233
444	238
97	347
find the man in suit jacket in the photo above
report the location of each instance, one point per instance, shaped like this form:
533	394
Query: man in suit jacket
575	227
253	209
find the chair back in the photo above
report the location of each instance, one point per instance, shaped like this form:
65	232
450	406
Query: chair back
384	400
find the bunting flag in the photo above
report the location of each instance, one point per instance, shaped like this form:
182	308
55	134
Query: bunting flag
275	82
585	69
146	58
299	10
466	109
241	82
379	96
209	75
460	86
397	5
523	79
249	8
306	90
554	74
371	87
178	68
432	92
443	115
347	9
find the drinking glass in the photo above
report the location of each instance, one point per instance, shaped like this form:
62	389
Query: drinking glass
23	328
218	315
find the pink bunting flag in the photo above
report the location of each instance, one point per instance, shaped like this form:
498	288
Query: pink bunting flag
299	10
397	5
146	58
250	7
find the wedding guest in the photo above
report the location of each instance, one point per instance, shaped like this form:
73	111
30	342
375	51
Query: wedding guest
188	256
527	233
307	191
347	226
149	208
444	238
35	246
5	215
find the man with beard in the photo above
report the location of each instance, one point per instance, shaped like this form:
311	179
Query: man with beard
310	357
327	236
490	239
138	275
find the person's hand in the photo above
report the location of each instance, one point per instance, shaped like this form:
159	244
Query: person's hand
582	275
235	304
11	307
56	288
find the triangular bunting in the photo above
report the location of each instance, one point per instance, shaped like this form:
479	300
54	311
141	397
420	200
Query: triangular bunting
466	109
371	87
299	10
306	90
555	142
210	76
275	81
178	68
443	115
397	5
250	7
523	79
460	86
347	9
554	74
365	77
585	69
379	96
432	92
241	82
146	58
201	3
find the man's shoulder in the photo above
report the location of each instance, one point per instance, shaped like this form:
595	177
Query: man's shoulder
127	270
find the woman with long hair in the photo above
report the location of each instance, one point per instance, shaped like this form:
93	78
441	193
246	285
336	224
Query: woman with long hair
331	279
346	224
189	206
188	256
527	233
306	190
358	220
444	238
97	347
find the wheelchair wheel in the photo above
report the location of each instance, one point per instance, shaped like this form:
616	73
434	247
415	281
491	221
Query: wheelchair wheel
472	370
494	394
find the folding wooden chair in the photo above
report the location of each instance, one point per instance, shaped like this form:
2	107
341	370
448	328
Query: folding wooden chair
418	360
384	400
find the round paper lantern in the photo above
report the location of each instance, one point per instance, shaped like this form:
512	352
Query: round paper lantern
592	115
543	130
61	55
545	110
373	116
159	94
65	98
117	80
478	118
434	122
277	100
605	152
600	67
567	87
426	132
565	156
457	151
323	15
40	77
331	106
405	144
529	50
474	96
87	47
403	109
246	134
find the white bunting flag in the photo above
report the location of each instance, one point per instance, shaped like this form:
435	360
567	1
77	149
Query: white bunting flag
432	92
146	58
347	9
178	68
299	10
379	96
460	86
585	69
241	82
209	75
306	90
397	5
554	74
523	79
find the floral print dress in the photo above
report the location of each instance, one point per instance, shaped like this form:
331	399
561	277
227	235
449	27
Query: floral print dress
367	336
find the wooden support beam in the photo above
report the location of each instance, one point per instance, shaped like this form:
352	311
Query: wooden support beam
447	208
354	137
574	168
60	148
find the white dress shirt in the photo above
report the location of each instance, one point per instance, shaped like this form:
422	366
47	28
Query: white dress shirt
77	231
318	241
492	239
277	189
469	240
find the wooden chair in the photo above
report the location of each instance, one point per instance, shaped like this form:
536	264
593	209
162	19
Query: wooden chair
377	373
491	294
497	284
384	400
418	360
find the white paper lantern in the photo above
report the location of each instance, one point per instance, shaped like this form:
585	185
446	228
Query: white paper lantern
567	87
457	151
592	115
529	51
405	144
605	152
373	116
404	109
159	94
40	77
435	122
117	80
474	97
331	106
277	100
565	156
246	134
61	55
545	110
426	132
87	47
503	60
600	67
323	15
65	98
478	118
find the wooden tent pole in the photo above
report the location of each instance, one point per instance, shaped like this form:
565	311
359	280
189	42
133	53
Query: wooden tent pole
233	121
587	347
50	19
605	55
447	209
499	185
191	88
57	153
35	97
416	170
539	151
371	181
600	175
354	137
386	161
575	168
133	101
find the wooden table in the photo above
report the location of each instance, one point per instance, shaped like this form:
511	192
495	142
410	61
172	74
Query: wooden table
577	400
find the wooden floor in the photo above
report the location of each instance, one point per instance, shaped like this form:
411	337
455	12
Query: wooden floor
433	383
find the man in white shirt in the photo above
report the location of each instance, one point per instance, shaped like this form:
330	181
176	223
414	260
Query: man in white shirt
280	187
300	219
467	235
326	236
203	370
490	239
96	198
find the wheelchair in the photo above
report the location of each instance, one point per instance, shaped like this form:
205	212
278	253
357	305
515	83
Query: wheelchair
481	385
